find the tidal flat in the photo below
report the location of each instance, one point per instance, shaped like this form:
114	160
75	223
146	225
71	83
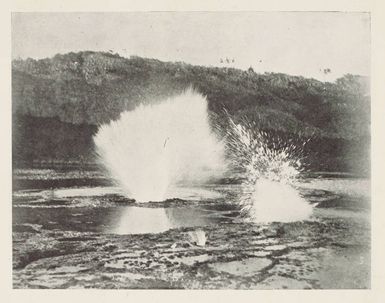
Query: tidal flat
86	234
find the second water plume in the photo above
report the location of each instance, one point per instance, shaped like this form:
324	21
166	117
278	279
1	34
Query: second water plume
151	150
270	168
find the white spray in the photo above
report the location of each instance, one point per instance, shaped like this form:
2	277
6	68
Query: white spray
270	172
154	148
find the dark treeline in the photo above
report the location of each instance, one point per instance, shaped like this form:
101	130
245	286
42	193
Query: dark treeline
58	103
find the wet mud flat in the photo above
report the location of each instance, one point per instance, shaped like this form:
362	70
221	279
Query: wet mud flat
108	241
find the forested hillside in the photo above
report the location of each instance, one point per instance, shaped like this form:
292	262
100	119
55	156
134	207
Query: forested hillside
58	103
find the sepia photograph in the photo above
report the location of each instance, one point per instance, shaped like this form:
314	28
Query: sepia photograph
191	150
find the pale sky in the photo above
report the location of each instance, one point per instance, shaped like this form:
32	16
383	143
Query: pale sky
293	43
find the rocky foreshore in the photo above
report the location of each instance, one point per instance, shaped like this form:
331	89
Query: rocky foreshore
242	256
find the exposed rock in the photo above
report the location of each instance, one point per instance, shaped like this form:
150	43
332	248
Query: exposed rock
279	282
247	267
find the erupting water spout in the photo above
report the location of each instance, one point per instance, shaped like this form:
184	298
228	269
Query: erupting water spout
270	172
154	148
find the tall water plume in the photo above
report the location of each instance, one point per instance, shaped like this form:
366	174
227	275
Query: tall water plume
154	148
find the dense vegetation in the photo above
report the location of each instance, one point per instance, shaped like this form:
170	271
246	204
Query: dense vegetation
58	103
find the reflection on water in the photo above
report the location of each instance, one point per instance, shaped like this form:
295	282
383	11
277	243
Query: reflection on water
119	219
141	220
98	209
